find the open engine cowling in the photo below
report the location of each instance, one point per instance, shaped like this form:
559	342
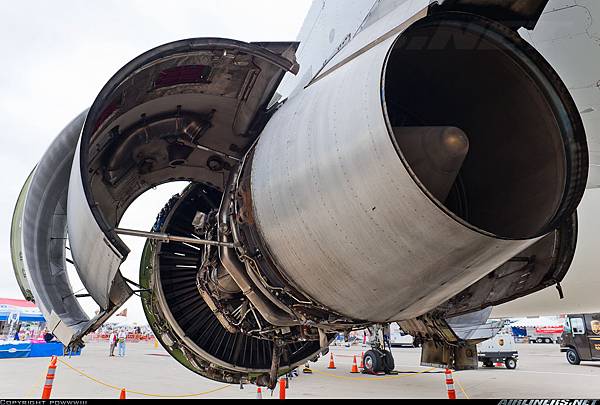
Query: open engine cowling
425	159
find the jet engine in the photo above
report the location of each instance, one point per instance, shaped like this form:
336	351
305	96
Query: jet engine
431	169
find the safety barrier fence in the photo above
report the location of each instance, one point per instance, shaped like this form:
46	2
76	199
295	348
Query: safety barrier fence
122	390
131	337
283	383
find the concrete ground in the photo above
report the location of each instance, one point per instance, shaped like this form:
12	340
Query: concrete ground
542	372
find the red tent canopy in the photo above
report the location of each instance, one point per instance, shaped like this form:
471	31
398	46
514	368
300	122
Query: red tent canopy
17	303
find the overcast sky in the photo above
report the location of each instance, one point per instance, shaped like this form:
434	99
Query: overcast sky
56	56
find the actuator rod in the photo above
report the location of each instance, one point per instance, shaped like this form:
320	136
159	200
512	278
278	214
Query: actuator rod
164	237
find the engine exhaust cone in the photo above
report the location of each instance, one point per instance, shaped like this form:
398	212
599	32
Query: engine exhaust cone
435	154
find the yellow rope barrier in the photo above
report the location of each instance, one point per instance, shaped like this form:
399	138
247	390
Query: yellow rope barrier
114	387
389	378
374	378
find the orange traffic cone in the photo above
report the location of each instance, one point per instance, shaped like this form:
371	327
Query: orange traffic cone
49	378
450	384
354	367
282	388
123	395
259	393
362	360
331	363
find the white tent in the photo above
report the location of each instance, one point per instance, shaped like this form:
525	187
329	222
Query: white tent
121	322
541	322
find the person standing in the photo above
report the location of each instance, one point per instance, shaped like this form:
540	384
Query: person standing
112	340
18	333
121	338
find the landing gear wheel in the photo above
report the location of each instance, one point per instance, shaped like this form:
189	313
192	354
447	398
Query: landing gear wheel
510	363
573	357
373	362
388	362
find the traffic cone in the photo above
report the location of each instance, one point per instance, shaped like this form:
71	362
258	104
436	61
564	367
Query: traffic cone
123	395
331	363
354	367
450	384
282	388
362	360
49	378
259	393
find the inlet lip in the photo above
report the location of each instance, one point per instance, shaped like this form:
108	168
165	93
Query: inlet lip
574	140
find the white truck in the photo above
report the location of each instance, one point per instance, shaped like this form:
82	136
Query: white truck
499	349
548	334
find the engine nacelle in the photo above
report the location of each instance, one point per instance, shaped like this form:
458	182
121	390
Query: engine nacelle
409	170
429	167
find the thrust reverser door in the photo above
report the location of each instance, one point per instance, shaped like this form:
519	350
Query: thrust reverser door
187	110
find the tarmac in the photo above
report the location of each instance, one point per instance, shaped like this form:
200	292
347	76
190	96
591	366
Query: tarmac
149	372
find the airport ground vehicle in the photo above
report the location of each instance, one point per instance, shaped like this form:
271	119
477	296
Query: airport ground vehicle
499	349
581	338
545	335
399	338
545	329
